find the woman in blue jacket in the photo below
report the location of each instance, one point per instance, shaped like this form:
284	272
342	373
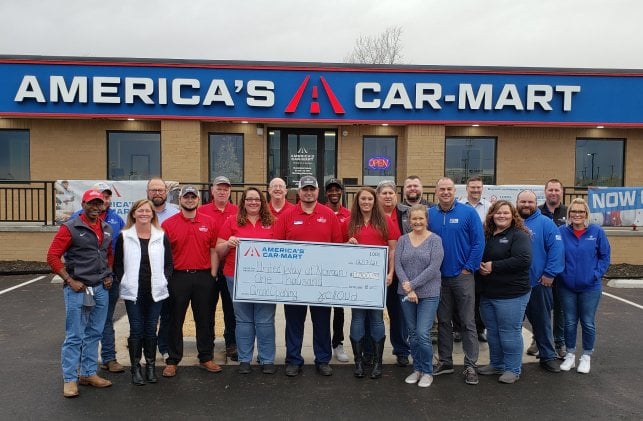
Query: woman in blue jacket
587	257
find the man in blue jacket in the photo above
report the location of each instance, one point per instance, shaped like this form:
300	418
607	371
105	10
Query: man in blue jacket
463	240
548	260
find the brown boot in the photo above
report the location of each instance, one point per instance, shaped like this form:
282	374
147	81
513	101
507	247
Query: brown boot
113	367
94	380
169	370
70	389
211	366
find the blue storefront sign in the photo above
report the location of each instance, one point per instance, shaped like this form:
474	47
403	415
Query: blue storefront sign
89	88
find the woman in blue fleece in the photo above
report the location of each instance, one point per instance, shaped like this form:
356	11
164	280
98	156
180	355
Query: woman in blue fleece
587	257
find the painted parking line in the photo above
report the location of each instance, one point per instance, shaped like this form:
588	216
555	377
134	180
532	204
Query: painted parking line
624	300
22	284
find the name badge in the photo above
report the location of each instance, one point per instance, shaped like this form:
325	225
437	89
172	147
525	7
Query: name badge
503	241
298	222
453	220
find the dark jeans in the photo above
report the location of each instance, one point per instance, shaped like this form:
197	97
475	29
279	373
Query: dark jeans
559	316
196	288
164	326
221	288
295	319
539	315
143	315
108	339
338	326
398	333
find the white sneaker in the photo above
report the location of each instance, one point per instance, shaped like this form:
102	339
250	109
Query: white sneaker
339	353
569	362
413	377
583	364
425	380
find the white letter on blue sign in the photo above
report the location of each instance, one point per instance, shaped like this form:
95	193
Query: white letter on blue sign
260	93
141	87
29	88
104	86
78	86
176	91
359	94
466	95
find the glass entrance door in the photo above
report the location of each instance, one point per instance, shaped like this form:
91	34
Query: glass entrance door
293	153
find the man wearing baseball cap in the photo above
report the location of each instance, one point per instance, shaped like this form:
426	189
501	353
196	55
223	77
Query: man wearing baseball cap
193	237
108	339
334	192
314	222
87	275
220	209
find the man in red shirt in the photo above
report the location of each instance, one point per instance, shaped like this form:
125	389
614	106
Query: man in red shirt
193	237
277	191
86	242
220	209
314	222
334	192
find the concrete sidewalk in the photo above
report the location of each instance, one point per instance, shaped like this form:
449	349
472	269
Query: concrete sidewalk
190	352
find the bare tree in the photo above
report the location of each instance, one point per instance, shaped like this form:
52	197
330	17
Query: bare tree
385	48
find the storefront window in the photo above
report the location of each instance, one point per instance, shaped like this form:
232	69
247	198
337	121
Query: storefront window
470	156
14	155
379	159
133	155
226	156
599	162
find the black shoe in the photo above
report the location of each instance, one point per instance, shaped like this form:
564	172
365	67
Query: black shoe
403	360
293	370
561	351
231	352
442	368
244	368
457	337
482	336
367	359
551	365
324	369
268	369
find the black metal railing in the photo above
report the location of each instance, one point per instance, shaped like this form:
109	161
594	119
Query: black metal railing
35	201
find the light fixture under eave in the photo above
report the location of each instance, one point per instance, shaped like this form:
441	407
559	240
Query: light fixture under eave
131	119
600	127
244	122
385	124
475	125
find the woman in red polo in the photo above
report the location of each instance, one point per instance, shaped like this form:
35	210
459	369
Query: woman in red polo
370	226
254	320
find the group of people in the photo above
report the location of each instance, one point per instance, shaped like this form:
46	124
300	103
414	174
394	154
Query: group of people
478	267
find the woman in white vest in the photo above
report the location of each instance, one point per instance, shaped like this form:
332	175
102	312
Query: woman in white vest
143	263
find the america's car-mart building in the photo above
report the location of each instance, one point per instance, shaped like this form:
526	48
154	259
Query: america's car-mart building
115	119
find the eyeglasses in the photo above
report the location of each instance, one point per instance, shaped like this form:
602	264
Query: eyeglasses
577	212
156	190
278	186
252	200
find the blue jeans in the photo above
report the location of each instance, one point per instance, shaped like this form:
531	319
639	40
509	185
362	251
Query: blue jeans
397	335
503	318
580	306
254	320
419	320
143	315
83	330
539	314
376	324
108	340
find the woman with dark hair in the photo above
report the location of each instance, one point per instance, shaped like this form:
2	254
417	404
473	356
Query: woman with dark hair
254	320
505	290
587	258
143	263
370	226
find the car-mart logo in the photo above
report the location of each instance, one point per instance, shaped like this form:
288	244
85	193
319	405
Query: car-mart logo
314	104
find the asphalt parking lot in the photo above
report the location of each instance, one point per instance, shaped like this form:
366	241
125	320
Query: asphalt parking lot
31	388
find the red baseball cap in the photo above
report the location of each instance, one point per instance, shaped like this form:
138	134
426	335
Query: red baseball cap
92	194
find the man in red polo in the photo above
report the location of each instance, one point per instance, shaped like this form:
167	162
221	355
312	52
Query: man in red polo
277	191
220	209
314	222
193	237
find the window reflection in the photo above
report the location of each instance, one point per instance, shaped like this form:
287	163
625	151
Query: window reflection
226	156
134	155
470	156
379	160
599	162
14	155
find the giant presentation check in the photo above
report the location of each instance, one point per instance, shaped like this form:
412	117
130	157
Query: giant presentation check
321	274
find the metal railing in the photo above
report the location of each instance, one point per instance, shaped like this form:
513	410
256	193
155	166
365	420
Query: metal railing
35	201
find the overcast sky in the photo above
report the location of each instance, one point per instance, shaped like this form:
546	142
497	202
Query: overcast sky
533	33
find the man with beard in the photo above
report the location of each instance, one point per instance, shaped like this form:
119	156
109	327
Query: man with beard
220	209
314	222
108	340
554	209
87	276
412	192
193	238
334	191
157	193
277	191
459	227
547	261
